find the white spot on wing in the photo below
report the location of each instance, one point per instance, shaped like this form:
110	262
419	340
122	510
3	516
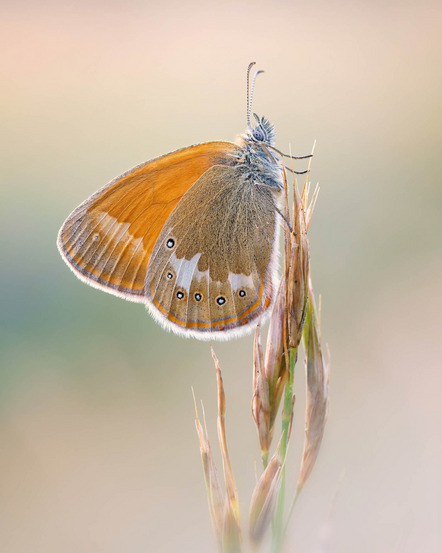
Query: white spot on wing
238	280
120	230
201	275
186	270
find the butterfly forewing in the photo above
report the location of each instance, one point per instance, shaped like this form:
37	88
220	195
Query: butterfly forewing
203	274
108	240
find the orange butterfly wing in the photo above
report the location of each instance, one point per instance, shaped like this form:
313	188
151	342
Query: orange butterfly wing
108	240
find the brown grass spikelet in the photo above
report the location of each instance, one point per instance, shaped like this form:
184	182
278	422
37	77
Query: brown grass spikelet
260	398
231	526
232	539
263	502
215	493
317	379
223	503
269	375
275	362
231	490
297	272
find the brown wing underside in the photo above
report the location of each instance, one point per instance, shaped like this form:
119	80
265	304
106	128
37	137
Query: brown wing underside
108	240
210	267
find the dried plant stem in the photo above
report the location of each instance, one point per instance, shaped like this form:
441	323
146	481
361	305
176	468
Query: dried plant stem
287	413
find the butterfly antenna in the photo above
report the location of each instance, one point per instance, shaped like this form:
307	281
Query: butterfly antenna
248	89
249	109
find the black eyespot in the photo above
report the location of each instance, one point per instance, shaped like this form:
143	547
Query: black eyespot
169	276
180	295
170	243
242	293
220	300
258	134
198	296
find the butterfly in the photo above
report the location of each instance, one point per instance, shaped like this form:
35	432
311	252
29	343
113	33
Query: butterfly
192	234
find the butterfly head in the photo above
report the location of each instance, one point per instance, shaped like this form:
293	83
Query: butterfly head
262	132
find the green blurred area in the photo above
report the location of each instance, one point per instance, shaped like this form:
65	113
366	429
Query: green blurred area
98	446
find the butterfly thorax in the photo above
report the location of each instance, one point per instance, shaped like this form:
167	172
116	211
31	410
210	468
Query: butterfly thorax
261	165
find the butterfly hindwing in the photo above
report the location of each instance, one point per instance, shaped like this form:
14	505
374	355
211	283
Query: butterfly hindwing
210	268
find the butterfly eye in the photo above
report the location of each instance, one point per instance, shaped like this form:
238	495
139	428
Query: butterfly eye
170	243
258	134
180	294
220	300
242	293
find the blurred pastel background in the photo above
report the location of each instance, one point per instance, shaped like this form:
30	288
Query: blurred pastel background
98	450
